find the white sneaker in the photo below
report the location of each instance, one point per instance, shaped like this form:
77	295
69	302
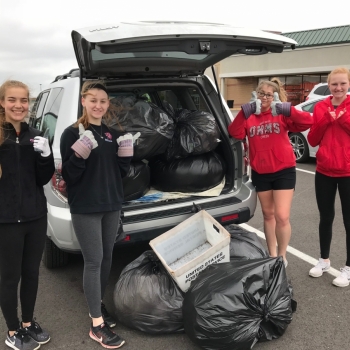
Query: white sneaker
343	279
320	267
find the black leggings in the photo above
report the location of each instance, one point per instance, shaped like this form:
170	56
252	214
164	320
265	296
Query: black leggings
21	249
326	188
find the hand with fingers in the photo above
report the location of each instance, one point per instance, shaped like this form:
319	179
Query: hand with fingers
279	107
85	144
41	144
126	144
253	107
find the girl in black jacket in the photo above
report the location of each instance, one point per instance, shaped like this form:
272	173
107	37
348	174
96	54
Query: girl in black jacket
94	161
26	164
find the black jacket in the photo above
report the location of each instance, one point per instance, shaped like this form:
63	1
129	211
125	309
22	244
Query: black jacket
24	173
94	184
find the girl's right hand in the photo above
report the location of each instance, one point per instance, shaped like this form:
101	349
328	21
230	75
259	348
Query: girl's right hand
85	144
253	107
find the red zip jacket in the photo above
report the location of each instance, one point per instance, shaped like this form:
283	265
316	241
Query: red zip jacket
269	146
333	138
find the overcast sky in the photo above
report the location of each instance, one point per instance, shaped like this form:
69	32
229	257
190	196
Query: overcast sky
36	46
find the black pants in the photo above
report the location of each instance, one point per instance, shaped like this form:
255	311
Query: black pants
326	188
21	249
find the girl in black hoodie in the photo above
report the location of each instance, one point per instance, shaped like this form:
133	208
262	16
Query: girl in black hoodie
26	165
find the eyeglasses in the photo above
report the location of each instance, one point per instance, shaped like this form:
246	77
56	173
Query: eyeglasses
262	94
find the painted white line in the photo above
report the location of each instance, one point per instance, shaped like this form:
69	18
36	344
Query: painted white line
306	171
309	259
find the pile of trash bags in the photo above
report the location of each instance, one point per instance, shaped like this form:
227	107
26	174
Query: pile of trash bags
228	306
178	143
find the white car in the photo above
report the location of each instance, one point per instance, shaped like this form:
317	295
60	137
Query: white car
301	147
319	90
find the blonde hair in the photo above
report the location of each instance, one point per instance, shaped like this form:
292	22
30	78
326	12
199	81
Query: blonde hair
339	70
277	86
3	88
112	112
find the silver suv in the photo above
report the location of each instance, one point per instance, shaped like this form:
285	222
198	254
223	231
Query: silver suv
157	61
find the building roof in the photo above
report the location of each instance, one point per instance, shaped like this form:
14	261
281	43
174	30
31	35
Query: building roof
321	37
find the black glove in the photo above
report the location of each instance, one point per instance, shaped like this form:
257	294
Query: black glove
253	107
279	107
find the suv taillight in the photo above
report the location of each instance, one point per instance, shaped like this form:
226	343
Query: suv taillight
58	185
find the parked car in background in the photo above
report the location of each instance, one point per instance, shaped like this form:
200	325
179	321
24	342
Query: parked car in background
301	147
318	91
161	64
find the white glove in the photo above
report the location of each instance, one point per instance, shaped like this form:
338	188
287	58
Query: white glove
85	144
41	144
125	143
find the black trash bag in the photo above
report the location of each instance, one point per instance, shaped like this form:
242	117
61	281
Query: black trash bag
155	126
147	298
137	182
191	174
233	305
196	132
245	244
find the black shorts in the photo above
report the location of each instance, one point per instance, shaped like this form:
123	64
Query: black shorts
281	180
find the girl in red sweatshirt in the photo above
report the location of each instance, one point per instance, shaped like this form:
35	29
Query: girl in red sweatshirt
266	121
331	132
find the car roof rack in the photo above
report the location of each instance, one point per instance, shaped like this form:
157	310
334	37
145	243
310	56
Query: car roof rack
75	72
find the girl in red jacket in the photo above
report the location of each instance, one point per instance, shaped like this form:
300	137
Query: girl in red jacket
266	121
331	132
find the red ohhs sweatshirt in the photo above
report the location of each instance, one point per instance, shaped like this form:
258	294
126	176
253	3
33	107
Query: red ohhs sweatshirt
333	138
269	146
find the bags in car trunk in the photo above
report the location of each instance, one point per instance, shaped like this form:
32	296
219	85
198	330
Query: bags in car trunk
234	305
191	174
137	182
138	115
147	298
196	132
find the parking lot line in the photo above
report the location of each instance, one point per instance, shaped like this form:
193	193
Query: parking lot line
309	259
306	171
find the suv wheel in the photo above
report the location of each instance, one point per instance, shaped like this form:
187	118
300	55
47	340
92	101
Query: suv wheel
53	256
300	147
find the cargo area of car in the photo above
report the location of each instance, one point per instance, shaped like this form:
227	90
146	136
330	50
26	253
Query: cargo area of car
183	141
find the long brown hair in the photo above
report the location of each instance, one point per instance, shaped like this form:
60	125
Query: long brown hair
277	86
3	88
112	110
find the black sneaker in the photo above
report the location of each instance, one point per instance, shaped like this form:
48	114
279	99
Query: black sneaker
37	333
107	338
111	322
21	341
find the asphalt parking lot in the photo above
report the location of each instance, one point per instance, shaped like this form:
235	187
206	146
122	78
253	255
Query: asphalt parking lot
321	321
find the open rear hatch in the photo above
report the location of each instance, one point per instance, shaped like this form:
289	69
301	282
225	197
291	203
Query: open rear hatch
166	48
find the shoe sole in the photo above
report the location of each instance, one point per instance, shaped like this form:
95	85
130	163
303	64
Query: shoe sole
324	270
104	345
14	347
43	342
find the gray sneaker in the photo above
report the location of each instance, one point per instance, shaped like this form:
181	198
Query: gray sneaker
37	333
21	341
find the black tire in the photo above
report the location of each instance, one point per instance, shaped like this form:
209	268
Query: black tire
300	147
54	257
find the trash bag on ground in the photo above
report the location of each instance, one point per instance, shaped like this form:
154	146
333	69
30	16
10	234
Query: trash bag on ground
245	244
234	305
196	132
147	298
192	174
137	182
154	124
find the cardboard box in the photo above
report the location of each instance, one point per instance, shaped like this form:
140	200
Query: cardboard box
191	246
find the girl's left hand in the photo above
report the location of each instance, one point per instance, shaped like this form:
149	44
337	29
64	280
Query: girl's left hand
41	144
